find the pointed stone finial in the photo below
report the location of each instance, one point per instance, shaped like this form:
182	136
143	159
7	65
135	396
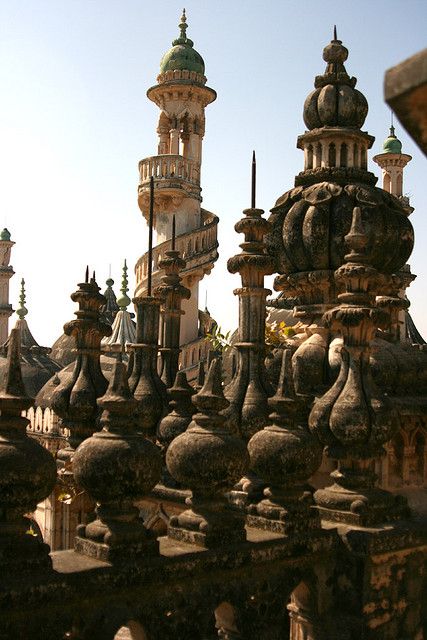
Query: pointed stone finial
124	300
181	410
87	274
116	466
183	39
200	381
335	33
12	389
22	310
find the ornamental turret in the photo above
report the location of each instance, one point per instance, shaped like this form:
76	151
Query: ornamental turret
182	96
392	162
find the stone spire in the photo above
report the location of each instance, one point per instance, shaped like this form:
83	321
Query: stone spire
74	400
27	472
6	272
248	390
208	459
117	466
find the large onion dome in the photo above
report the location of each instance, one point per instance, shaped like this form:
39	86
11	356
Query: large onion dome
335	101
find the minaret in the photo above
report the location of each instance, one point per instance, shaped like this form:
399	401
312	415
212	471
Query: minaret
6	272
392	162
182	96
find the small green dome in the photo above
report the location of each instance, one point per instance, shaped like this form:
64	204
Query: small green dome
392	144
182	55
5	235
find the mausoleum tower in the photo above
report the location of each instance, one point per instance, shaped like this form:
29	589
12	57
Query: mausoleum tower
6	272
182	96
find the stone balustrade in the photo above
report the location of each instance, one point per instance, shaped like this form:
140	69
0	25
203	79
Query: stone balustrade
169	167
198	248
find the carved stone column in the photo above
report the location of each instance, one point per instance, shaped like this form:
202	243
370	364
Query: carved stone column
249	389
117	466
171	292
144	381
27	473
208	459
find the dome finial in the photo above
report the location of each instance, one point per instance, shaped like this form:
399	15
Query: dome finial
22	310
183	32
124	299
335	33
183	25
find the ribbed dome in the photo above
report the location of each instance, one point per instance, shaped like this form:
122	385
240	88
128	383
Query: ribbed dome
182	56
335	102
392	144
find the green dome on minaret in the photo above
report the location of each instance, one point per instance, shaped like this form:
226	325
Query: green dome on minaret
182	56
5	235
392	144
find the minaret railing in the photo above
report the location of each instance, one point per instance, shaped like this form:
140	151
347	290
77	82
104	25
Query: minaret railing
169	166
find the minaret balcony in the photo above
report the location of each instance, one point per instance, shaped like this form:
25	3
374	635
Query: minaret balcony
174	177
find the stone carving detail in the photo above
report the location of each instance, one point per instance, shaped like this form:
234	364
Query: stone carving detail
249	389
116	466
208	459
27	472
353	419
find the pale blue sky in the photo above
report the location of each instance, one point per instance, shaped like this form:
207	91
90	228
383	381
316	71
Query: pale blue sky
75	121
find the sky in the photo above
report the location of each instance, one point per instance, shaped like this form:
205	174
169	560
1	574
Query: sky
75	121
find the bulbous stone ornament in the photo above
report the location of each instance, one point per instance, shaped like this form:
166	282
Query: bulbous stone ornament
117	466
335	101
27	472
208	459
285	454
74	400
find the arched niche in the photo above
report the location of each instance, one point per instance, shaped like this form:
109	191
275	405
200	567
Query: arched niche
395	461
